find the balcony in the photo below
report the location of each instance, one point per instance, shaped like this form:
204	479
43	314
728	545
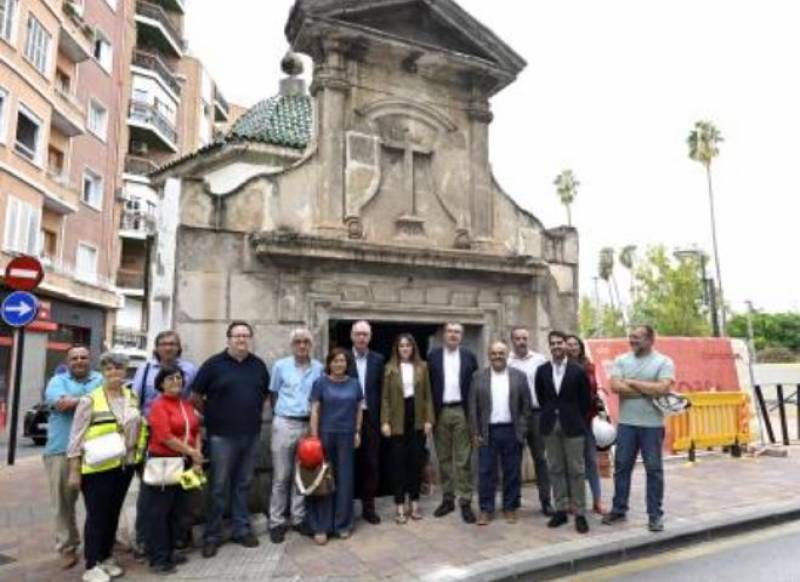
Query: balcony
155	29
76	39
152	62
139	166
173	5
129	338
131	279
137	222
148	124
65	193
68	113
221	107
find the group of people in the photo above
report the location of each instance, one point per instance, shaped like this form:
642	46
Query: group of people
351	403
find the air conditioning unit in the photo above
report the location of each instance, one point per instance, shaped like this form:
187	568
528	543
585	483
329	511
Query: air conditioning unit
139	148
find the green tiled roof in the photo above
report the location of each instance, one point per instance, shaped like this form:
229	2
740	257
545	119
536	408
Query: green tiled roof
283	120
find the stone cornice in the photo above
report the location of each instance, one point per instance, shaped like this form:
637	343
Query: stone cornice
292	247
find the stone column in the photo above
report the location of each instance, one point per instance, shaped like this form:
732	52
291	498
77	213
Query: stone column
330	89
481	200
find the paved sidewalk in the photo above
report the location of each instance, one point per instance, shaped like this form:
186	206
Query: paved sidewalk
718	490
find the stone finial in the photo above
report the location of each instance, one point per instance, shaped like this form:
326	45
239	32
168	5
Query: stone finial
291	64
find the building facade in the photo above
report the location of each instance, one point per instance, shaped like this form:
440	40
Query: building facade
371	197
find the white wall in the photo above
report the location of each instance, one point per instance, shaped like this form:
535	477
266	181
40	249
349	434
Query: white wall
162	270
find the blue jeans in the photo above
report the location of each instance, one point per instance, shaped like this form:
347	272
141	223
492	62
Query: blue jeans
502	445
333	513
232	462
592	472
631	440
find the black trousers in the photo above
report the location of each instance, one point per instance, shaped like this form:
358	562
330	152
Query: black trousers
368	461
164	504
407	456
103	495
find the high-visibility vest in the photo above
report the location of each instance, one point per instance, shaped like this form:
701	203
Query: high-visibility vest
104	422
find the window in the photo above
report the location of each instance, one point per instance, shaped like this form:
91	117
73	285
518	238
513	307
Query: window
92	193
103	52
86	263
28	135
63	82
8	9
98	119
37	45
49	245
140	96
112	4
3	108
22	227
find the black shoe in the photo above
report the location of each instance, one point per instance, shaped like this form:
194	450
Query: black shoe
276	534
163	569
655	523
446	507
210	549
612	518
581	525
303	529
466	513
372	518
559	518
247	540
547	508
178	559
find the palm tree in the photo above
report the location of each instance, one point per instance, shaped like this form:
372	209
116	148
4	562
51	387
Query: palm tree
627	258
606	271
567	189
703	144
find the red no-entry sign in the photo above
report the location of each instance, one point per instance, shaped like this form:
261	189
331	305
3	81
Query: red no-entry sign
24	273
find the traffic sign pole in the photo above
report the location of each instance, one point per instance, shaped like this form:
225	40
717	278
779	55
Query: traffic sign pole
19	342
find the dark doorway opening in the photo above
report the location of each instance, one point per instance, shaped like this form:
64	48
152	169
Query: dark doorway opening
384	334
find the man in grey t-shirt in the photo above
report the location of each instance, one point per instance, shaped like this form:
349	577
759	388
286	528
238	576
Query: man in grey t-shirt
638	377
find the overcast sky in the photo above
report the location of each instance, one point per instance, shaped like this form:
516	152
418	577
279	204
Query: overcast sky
612	90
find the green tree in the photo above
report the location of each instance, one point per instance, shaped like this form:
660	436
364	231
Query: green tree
567	189
670	295
703	142
608	322
770	330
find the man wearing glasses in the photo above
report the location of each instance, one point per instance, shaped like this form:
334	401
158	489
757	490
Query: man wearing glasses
290	389
231	389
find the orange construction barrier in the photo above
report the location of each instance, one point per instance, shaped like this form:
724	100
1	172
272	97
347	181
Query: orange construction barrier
715	419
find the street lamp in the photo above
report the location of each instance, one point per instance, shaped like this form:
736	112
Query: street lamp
709	285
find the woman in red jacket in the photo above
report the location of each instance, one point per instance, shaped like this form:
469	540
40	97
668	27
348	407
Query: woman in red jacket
174	427
576	350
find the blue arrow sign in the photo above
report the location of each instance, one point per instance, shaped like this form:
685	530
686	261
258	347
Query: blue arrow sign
19	309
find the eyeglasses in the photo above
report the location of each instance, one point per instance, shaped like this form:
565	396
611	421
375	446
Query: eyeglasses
240	336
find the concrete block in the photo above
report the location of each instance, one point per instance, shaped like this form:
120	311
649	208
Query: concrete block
356	293
564	277
438	295
253	297
412	296
201	340
203	295
463	299
385	293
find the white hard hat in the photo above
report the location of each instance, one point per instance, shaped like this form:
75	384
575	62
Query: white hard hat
605	434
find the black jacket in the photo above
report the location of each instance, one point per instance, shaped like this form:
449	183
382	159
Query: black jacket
570	406
469	365
372	382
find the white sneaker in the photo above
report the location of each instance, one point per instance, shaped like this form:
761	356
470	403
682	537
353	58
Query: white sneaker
96	574
111	568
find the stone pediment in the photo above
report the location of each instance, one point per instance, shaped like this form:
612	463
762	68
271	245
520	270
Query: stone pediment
438	23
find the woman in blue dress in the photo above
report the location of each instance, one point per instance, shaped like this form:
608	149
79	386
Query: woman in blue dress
336	420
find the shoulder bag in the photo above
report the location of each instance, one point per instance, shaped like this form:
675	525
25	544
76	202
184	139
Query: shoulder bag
165	471
107	447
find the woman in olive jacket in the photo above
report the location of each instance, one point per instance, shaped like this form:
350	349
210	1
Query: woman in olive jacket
406	419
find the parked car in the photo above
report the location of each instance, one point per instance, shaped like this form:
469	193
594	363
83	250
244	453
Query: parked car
35	424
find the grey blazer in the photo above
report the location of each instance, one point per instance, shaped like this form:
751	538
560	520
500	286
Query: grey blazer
480	403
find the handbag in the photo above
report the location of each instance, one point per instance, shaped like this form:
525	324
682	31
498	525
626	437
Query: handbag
104	448
315	482
165	471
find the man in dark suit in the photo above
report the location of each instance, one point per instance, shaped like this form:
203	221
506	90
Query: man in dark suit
499	407
562	389
451	369
367	366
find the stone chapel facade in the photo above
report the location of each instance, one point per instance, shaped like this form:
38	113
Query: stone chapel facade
368	196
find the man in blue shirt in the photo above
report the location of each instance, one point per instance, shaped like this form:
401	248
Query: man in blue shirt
167	352
290	391
62	395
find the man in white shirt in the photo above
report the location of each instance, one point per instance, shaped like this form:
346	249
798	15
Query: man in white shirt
499	407
527	361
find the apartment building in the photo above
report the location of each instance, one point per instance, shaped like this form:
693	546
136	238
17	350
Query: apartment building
175	108
63	66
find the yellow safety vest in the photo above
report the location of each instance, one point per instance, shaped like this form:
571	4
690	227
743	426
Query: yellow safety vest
104	422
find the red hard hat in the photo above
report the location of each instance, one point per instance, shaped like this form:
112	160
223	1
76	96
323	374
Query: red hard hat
309	452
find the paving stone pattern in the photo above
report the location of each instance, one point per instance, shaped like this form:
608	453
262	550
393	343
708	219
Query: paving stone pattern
432	549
